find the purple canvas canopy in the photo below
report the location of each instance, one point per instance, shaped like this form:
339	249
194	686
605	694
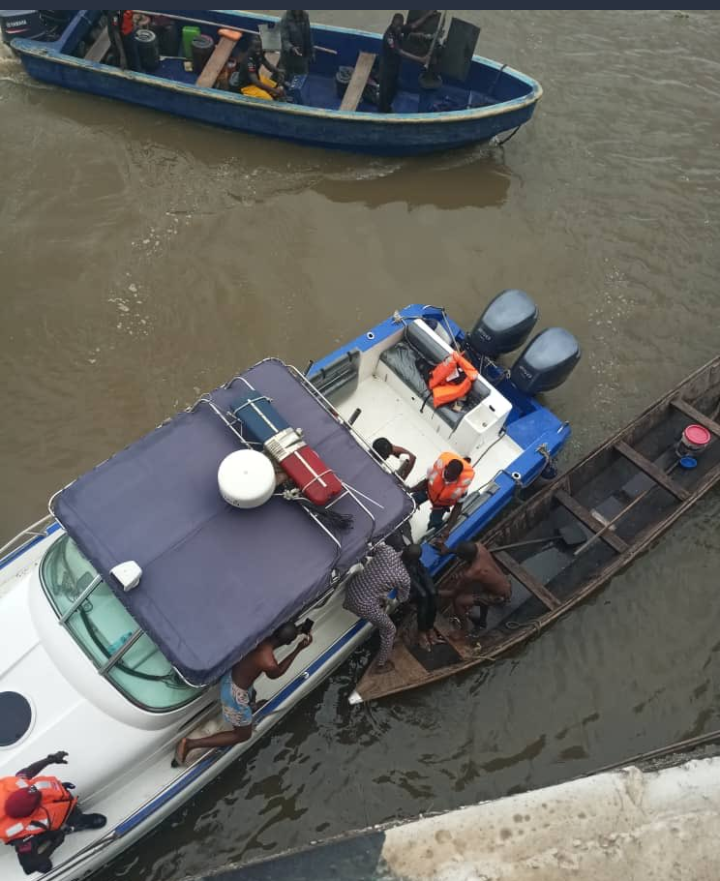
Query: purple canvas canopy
217	580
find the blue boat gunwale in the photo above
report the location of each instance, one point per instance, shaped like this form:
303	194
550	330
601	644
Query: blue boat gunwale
45	50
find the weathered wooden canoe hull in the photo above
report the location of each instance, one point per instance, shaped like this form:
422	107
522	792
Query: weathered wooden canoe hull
688	402
384	134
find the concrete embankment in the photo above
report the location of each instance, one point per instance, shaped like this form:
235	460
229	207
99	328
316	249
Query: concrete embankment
652	825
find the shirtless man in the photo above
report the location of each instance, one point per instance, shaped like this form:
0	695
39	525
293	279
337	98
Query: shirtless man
237	694
404	459
480	583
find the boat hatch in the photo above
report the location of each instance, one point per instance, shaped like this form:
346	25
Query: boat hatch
217	579
15	717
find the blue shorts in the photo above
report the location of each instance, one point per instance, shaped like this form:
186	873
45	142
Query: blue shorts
236	702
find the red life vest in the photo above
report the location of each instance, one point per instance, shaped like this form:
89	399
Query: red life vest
445	392
443	494
54	808
127	23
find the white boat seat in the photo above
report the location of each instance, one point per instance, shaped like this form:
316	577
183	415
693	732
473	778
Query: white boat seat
414	357
338	379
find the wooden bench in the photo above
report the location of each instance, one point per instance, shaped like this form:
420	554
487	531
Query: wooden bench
217	61
100	47
358	81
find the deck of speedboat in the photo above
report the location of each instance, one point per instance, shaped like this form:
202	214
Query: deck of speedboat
385	413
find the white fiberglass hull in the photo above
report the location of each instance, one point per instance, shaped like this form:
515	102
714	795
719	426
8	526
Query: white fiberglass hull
147	789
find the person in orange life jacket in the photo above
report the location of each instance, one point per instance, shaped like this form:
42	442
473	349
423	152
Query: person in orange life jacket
37	811
385	449
445	487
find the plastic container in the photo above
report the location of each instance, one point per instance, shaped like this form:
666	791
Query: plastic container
694	440
202	48
342	79
148	50
167	34
189	32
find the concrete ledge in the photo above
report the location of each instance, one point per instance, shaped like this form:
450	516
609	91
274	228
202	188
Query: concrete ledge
646	826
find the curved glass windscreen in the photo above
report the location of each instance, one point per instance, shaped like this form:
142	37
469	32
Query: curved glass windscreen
101	625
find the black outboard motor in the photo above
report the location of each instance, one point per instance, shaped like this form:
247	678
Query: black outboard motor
21	23
504	325
546	362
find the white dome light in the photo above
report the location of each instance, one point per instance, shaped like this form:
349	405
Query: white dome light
246	479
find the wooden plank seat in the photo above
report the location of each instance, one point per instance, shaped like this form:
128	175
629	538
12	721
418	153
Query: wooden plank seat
100	47
217	61
527	579
358	81
652	471
587	518
696	416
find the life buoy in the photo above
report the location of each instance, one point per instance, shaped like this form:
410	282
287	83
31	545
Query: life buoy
52	811
445	392
442	494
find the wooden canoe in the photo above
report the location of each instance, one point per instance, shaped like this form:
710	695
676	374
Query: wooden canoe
636	470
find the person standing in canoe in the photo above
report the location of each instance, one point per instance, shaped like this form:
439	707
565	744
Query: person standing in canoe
392	55
481	582
298	49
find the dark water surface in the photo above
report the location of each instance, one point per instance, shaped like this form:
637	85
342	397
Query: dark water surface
145	259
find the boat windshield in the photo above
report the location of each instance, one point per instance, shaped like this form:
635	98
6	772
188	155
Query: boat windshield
102	627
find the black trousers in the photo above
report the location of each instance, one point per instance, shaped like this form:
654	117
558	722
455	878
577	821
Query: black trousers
424	594
389	80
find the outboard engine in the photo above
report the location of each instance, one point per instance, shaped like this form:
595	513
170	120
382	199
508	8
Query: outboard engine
21	23
546	362
504	325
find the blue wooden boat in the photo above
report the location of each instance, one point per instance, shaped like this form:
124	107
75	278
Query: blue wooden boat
494	99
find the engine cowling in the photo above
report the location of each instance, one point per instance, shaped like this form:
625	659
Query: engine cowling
505	324
546	362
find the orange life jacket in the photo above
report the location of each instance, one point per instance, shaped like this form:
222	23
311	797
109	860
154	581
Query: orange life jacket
445	495
54	808
445	392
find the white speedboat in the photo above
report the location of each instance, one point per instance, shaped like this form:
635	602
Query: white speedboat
121	610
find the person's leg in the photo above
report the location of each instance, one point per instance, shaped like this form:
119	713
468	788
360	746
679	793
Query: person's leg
256	92
78	820
479	619
213	741
462	604
387	92
436	518
387	630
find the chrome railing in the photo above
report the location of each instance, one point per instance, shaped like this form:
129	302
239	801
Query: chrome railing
36	530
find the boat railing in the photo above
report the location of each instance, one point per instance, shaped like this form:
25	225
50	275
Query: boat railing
28	535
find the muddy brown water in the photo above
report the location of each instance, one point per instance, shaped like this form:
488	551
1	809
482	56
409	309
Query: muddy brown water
145	259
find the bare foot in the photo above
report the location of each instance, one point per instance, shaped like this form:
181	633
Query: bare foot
425	642
436	638
384	668
458	635
181	751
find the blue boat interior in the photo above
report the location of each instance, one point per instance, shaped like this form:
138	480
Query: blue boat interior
488	83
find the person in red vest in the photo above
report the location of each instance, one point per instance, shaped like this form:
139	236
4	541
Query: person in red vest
37	811
445	487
